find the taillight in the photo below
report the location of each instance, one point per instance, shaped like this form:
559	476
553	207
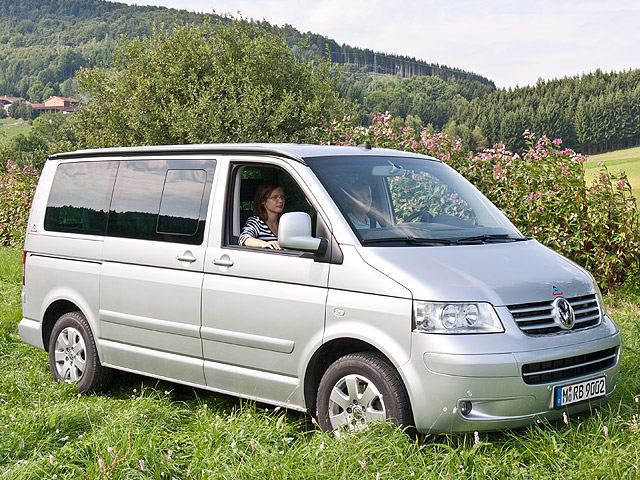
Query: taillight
24	265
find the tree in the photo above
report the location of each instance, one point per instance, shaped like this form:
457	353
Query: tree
21	109
234	82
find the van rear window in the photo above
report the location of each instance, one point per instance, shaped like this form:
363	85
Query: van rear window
79	198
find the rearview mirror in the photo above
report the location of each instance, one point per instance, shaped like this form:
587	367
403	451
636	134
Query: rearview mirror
390	170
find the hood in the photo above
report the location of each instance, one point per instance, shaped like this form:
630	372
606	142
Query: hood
500	273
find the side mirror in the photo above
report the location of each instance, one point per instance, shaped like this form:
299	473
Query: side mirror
294	232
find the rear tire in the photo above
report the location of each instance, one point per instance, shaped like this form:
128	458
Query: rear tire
359	389
73	357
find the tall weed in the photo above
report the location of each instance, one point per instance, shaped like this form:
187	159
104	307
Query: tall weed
17	186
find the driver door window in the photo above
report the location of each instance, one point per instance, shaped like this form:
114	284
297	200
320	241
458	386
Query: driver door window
244	184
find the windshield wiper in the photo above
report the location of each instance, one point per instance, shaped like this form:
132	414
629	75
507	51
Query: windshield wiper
476	240
489	238
409	241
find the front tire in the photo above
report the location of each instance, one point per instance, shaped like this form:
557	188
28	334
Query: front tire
359	389
73	357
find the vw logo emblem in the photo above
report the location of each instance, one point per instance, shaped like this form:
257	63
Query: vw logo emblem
563	312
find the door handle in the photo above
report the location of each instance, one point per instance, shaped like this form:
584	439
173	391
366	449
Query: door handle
223	261
186	257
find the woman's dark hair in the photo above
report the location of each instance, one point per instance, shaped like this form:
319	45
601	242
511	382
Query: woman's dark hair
264	191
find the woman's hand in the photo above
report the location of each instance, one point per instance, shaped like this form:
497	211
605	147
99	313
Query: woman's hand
273	245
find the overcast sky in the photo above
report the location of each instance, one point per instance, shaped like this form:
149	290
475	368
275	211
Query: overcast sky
511	42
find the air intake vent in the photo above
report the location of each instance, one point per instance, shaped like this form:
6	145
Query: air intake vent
567	368
538	318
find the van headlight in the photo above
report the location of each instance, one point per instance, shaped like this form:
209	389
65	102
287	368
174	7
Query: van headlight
433	317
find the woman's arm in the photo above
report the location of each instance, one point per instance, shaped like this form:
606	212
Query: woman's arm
256	242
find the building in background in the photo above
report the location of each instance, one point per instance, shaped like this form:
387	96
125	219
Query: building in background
55	105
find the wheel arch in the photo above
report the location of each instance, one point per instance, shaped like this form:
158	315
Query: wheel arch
325	356
51	315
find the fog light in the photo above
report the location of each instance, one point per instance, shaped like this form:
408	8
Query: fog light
465	408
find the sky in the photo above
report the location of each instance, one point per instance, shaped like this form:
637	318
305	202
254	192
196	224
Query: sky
512	42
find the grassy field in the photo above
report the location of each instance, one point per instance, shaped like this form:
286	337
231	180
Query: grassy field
627	160
10	127
144	429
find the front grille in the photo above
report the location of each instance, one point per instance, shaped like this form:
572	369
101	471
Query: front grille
537	318
568	368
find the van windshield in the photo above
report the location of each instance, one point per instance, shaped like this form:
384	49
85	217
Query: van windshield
410	201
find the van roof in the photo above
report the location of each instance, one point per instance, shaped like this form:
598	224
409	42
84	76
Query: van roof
296	152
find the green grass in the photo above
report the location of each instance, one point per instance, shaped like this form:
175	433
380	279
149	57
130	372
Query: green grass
627	160
49	431
10	128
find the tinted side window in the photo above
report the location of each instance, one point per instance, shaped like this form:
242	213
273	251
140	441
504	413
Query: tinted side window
181	201
79	197
162	200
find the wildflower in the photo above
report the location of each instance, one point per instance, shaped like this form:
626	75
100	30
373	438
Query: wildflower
142	467
363	464
606	431
101	465
564	418
51	460
253	445
476	438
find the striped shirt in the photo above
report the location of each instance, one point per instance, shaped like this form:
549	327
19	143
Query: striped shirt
256	228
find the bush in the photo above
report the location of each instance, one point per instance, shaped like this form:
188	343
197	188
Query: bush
543	191
17	186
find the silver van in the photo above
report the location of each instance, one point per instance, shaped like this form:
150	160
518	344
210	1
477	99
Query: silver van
400	292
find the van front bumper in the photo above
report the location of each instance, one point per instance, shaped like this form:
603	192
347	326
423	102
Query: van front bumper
442	387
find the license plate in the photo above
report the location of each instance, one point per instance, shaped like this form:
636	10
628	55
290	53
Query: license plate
579	392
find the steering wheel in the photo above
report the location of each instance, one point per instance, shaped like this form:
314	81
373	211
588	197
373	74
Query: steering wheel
424	214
